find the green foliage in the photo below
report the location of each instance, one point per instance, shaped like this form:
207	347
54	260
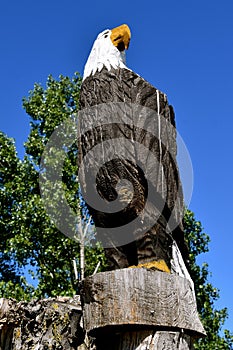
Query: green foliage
13	195
206	294
31	238
18	291
48	108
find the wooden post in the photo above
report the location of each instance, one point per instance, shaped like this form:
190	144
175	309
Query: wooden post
127	131
6	325
53	323
137	308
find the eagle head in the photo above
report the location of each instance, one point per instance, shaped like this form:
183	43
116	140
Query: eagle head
108	50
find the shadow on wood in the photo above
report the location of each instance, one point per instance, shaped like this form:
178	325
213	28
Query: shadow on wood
127	308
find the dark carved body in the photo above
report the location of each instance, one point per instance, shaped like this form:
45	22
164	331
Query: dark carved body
122	85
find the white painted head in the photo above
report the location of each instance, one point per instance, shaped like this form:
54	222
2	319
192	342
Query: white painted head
108	50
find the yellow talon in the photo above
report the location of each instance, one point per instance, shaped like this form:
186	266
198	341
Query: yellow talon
158	265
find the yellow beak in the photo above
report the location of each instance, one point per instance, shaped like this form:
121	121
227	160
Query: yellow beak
120	37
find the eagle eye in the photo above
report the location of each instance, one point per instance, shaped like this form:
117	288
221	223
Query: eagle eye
105	34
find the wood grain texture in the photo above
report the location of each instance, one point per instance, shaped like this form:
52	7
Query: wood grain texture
41	324
145	340
139	297
125	86
134	309
7	322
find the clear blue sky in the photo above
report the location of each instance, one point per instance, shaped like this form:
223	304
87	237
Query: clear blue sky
183	48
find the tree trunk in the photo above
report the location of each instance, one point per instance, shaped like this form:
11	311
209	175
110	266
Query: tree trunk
139	308
41	324
124	116
127	133
146	340
82	257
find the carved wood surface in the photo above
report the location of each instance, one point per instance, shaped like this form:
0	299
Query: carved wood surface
122	85
41	324
139	297
145	340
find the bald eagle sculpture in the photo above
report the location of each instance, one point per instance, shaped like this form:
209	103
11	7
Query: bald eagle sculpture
107	80
108	51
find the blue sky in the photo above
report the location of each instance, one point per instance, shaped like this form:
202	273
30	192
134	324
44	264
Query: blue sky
183	48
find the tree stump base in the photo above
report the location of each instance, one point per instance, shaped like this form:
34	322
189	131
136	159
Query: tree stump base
137	308
52	323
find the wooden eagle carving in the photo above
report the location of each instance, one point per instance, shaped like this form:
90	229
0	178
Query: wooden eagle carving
108	82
